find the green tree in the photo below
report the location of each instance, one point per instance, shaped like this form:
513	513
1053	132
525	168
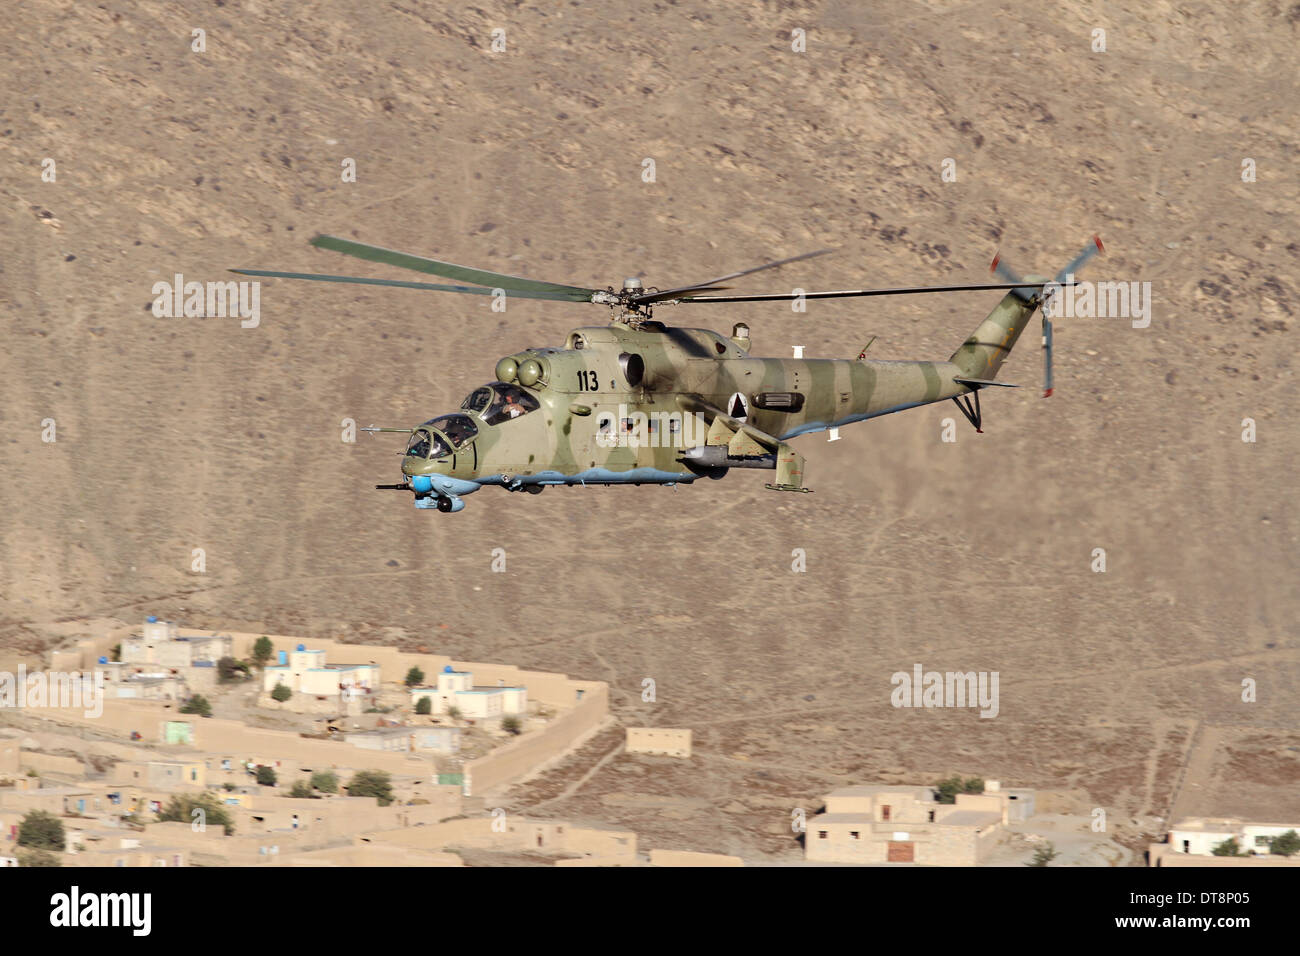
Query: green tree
198	704
1228	847
230	670
1044	855
281	693
453	712
1285	844
326	781
266	775
303	791
511	725
38	858
180	809
262	650
115	652
414	677
372	783
41	831
424	705
949	788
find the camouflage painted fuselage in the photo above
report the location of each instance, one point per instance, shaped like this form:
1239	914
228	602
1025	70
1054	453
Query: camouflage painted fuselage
660	404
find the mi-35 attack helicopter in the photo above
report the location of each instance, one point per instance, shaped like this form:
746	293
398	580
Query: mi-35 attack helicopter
638	401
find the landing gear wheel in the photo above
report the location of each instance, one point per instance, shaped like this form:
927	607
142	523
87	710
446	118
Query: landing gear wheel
444	505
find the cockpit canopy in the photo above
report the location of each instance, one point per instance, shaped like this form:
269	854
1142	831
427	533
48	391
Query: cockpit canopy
439	437
425	444
458	429
499	402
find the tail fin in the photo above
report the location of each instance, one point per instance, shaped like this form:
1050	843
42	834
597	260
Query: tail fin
981	355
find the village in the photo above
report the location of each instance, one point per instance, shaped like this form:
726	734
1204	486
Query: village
160	745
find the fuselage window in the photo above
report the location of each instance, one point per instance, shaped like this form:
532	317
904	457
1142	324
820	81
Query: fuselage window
478	400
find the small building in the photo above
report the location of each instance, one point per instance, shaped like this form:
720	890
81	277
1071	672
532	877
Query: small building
907	824
152	685
160	643
457	689
161	774
667	741
307	673
1198	836
443	740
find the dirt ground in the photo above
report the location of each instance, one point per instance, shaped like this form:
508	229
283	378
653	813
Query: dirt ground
175	434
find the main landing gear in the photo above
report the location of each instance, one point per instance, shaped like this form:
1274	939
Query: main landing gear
971	411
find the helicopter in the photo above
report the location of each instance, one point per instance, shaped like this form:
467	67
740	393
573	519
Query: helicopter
641	402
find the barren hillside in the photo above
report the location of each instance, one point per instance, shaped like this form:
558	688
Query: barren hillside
182	433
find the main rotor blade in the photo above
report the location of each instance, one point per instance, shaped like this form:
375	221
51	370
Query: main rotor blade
402	284
678	292
790	296
493	280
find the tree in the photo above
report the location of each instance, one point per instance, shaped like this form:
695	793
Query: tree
1228	847
414	677
948	789
180	809
453	712
41	831
372	783
115	652
424	705
38	858
303	791
230	670
262	650
1285	844
198	704
1044	855
266	775
510	724
326	781
281	693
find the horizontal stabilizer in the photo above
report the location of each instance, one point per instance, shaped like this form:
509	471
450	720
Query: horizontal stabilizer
978	383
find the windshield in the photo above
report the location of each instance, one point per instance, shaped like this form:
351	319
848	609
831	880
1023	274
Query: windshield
508	401
459	429
425	444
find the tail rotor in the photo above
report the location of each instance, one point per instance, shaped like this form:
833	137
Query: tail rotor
1030	292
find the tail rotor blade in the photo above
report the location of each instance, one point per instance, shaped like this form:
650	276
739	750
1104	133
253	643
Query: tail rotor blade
1047	357
1090	250
1000	268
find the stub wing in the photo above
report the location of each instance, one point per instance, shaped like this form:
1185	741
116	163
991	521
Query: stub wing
713	414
